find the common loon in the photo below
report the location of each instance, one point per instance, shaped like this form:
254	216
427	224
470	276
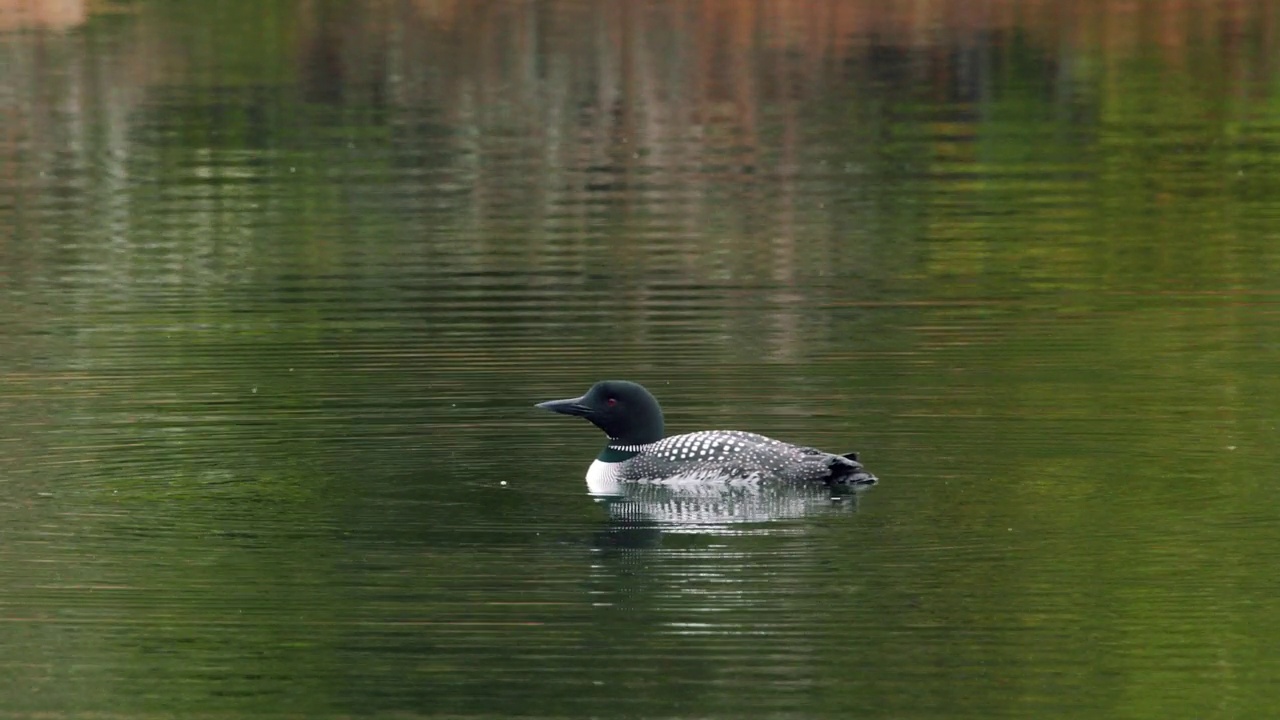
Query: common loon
638	452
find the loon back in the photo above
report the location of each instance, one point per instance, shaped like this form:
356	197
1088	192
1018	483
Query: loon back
637	451
734	455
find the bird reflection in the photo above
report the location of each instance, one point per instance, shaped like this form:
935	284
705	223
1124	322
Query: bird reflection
641	513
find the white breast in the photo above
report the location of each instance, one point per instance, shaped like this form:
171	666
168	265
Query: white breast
602	478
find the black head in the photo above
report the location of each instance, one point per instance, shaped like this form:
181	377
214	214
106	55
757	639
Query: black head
625	411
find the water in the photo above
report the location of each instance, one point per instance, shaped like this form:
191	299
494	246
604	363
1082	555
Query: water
281	283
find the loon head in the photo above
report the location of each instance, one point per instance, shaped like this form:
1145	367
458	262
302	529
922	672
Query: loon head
625	411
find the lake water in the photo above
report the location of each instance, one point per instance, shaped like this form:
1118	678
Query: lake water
281	282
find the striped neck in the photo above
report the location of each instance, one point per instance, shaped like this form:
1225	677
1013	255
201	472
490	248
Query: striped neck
618	453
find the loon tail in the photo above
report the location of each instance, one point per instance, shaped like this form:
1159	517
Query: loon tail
847	471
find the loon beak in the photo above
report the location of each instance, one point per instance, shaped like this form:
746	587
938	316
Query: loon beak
572	406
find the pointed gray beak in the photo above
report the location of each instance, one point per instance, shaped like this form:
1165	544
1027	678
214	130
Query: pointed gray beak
572	406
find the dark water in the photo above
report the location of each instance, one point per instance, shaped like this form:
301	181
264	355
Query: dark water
280	283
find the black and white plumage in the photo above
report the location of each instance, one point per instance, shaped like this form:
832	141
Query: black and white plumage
637	451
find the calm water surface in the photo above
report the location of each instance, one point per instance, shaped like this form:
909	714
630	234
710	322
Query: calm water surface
280	284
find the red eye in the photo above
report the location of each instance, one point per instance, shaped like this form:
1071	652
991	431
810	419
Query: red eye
612	401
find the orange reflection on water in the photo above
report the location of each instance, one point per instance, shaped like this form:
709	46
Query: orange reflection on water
49	14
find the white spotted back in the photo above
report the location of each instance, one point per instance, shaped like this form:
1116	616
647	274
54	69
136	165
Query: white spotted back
723	454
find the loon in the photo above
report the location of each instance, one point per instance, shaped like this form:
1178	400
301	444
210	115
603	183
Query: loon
637	451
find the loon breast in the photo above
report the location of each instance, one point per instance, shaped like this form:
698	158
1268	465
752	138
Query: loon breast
605	478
